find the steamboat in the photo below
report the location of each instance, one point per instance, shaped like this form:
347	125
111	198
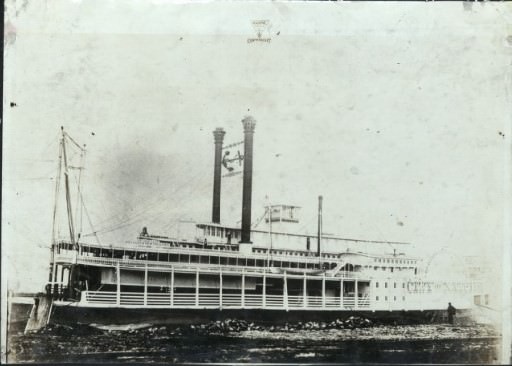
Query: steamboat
219	271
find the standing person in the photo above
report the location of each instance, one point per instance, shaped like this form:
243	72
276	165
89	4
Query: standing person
451	312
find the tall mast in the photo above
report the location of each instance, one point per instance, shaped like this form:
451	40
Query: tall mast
57	186
269	212
320	199
68	195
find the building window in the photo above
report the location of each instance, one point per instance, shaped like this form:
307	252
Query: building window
394	285
394	298
376	284
376	298
403	298
403	284
385	284
386	298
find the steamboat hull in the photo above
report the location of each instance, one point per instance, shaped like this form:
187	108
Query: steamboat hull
72	315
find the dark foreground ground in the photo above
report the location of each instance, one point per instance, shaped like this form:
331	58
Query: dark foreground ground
439	343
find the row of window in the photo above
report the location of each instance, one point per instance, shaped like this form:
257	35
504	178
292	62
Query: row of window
221	232
386	298
204	259
395	261
386	285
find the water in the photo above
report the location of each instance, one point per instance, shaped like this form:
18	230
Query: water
382	344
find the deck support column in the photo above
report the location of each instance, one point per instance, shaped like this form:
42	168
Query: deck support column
264	290
197	286
172	287
146	284
304	291
54	271
356	294
118	282
285	291
61	281
323	291
243	289
341	293
220	289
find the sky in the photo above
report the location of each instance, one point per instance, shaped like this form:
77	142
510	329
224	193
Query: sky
398	114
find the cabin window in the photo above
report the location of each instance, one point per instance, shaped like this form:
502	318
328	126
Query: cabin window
152	256
394	285
376	298
232	261
251	262
260	263
194	259
214	260
394	298
391	269
223	260
385	285
204	259
376	285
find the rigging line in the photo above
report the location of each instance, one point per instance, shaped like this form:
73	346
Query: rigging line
260	219
135	218
78	206
158	201
89	218
68	198
57	185
303	226
45	151
74	142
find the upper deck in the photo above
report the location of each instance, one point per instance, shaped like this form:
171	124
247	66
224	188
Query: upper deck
157	254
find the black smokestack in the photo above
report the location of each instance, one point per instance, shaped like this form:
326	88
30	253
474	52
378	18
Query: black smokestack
249	125
218	135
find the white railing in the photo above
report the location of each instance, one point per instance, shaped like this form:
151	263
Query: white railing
191	300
